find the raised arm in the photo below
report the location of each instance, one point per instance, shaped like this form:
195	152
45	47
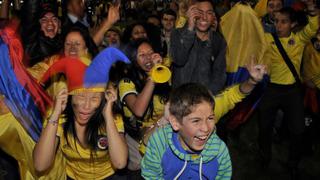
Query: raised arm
118	150
313	17
113	17
4	10
229	97
29	21
45	150
138	103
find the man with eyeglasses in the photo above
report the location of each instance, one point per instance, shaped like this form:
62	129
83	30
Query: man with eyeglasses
40	30
197	51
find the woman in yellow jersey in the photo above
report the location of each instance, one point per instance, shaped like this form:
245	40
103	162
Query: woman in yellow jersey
83	124
143	100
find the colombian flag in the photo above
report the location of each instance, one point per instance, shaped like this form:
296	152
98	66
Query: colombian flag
244	34
23	95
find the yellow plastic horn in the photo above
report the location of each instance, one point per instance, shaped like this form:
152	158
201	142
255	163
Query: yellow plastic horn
160	73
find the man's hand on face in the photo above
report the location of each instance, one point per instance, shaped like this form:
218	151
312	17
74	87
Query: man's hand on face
193	14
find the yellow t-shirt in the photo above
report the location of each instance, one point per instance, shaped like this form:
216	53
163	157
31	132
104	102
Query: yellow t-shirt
81	162
311	65
16	142
294	46
126	86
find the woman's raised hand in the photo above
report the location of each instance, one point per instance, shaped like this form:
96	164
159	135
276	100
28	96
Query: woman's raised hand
60	103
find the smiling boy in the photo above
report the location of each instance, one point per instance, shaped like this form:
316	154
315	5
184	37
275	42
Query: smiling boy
188	147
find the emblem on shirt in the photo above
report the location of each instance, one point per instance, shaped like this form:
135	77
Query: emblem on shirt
291	42
126	80
102	142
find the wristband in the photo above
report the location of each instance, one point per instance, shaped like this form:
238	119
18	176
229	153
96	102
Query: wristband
53	122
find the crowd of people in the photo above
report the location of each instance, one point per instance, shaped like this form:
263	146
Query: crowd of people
80	98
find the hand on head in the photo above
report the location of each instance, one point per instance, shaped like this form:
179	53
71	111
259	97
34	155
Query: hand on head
60	103
111	95
193	14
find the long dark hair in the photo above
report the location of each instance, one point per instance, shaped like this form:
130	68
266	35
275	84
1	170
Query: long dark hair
95	123
138	76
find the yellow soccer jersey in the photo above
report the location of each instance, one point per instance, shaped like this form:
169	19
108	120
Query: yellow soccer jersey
227	100
311	65
126	86
16	142
81	162
294	46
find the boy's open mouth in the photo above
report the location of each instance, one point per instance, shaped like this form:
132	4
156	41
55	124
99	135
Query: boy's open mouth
201	138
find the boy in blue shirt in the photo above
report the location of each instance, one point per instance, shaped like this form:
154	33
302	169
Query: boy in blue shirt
188	147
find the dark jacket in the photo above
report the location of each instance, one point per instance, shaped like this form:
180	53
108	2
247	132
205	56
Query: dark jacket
67	24
36	45
198	61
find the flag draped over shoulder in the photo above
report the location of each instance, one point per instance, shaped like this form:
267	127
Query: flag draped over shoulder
244	35
23	95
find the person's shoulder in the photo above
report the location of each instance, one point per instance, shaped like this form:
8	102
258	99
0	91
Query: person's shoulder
215	143
126	81
162	131
268	37
161	134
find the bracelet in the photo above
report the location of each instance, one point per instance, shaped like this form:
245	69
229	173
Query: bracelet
53	122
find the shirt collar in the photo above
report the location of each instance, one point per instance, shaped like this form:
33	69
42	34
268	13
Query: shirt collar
74	19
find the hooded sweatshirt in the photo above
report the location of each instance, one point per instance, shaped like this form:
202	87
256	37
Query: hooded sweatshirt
166	159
